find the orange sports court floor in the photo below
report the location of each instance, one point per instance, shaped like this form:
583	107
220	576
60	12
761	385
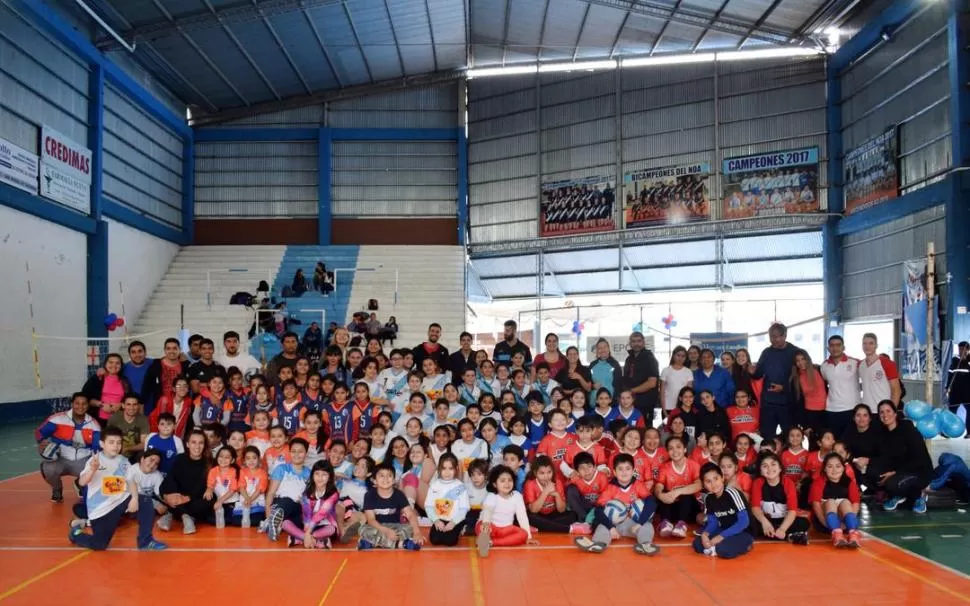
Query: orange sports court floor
38	566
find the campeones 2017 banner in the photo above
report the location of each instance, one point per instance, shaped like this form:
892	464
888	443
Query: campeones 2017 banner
775	183
666	195
577	206
871	174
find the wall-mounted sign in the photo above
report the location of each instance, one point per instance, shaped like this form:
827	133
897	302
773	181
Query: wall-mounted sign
65	170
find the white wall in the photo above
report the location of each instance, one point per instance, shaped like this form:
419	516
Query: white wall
57	260
137	261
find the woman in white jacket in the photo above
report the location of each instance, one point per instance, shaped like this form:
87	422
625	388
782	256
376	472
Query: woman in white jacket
447	503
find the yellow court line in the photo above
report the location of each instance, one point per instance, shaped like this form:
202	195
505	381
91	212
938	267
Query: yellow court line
333	583
477	594
917	575
6	594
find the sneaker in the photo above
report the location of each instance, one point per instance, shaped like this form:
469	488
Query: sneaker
153	545
920	505
188	524
666	528
324	544
679	531
274	524
710	551
484	543
364	545
220	518
647	549
57	495
587	545
165	522
892	503
410	545
838	539
262	526
798	538
580	528
73	533
245	523
855	539
79	523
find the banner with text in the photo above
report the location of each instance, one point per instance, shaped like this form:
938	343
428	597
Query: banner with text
916	340
65	167
18	167
674	194
774	183
871	172
577	206
719	342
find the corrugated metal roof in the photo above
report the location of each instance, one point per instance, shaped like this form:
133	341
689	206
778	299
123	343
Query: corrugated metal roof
222	54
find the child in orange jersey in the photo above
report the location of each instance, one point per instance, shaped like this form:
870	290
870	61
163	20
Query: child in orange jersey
835	500
656	455
315	435
223	485
743	416
630	439
555	444
250	508
794	460
545	498
676	490
278	451
584	444
627	490
258	436
584	489
734	477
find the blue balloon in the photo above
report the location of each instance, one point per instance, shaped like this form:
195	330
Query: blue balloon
928	427
951	425
917	409
110	319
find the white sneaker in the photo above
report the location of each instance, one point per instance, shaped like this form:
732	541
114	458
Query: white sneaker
220	518
188	524
246	523
165	522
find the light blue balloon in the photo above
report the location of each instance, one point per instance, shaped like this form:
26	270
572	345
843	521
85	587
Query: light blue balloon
928	427
951	425
917	409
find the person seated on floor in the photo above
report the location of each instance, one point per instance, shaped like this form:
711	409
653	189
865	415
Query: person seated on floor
66	440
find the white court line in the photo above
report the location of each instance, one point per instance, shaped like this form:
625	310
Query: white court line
951	536
960	574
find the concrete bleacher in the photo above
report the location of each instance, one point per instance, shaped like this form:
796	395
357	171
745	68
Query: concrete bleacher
185	285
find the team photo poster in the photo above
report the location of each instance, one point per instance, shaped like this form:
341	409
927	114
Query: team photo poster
871	174
577	206
774	183
669	195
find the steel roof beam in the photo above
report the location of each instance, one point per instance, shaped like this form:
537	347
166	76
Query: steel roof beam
579	36
619	32
434	49
286	53
505	31
323	47
243	51
397	46
542	32
707	27
360	47
663	29
761	20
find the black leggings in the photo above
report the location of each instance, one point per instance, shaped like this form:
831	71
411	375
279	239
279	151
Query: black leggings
552	522
799	525
198	509
448	538
910	486
683	509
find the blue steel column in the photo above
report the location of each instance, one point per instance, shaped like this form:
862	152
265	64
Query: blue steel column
462	186
97	242
324	181
958	202
831	242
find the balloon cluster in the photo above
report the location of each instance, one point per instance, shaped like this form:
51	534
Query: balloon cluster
113	321
669	321
932	422
578	327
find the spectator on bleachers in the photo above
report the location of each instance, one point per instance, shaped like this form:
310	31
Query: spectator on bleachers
328	336
505	349
389	331
287	357
358	324
432	349
299	284
373	326
320	277
462	359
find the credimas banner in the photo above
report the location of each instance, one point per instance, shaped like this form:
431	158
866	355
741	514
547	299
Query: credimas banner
774	183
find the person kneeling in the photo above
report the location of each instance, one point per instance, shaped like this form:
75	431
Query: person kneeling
725	533
628	499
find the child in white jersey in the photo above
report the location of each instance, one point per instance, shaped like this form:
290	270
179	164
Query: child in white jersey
446	503
503	507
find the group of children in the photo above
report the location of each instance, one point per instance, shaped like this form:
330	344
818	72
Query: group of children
319	461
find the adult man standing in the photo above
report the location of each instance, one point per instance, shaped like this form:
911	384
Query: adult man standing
66	440
510	346
775	366
287	357
247	364
958	389
641	372
136	368
206	367
879	375
431	349
842	374
462	359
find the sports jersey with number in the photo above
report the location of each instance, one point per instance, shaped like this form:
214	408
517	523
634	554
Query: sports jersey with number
289	415
169	447
590	491
240	410
365	417
211	409
394	383
793	464
674	476
312	401
555	447
775	501
339	421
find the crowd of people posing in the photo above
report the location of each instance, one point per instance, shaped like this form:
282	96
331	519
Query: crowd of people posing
392	450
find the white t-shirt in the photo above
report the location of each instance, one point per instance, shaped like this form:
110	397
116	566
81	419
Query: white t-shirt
147	483
478	449
291	483
843	379
247	364
503	512
876	379
674	380
394	385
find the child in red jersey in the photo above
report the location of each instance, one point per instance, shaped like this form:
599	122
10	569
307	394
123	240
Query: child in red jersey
608	440
794	459
627	490
743	416
584	489
656	455
745	452
734	477
826	444
774	504
555	444
676	490
584	444
835	499
630	439
711	451
545	498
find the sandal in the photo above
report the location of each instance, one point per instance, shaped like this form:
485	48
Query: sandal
647	549
588	545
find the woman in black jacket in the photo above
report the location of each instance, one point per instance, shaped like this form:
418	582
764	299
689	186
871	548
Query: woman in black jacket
162	372
184	487
861	439
903	464
574	375
712	418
